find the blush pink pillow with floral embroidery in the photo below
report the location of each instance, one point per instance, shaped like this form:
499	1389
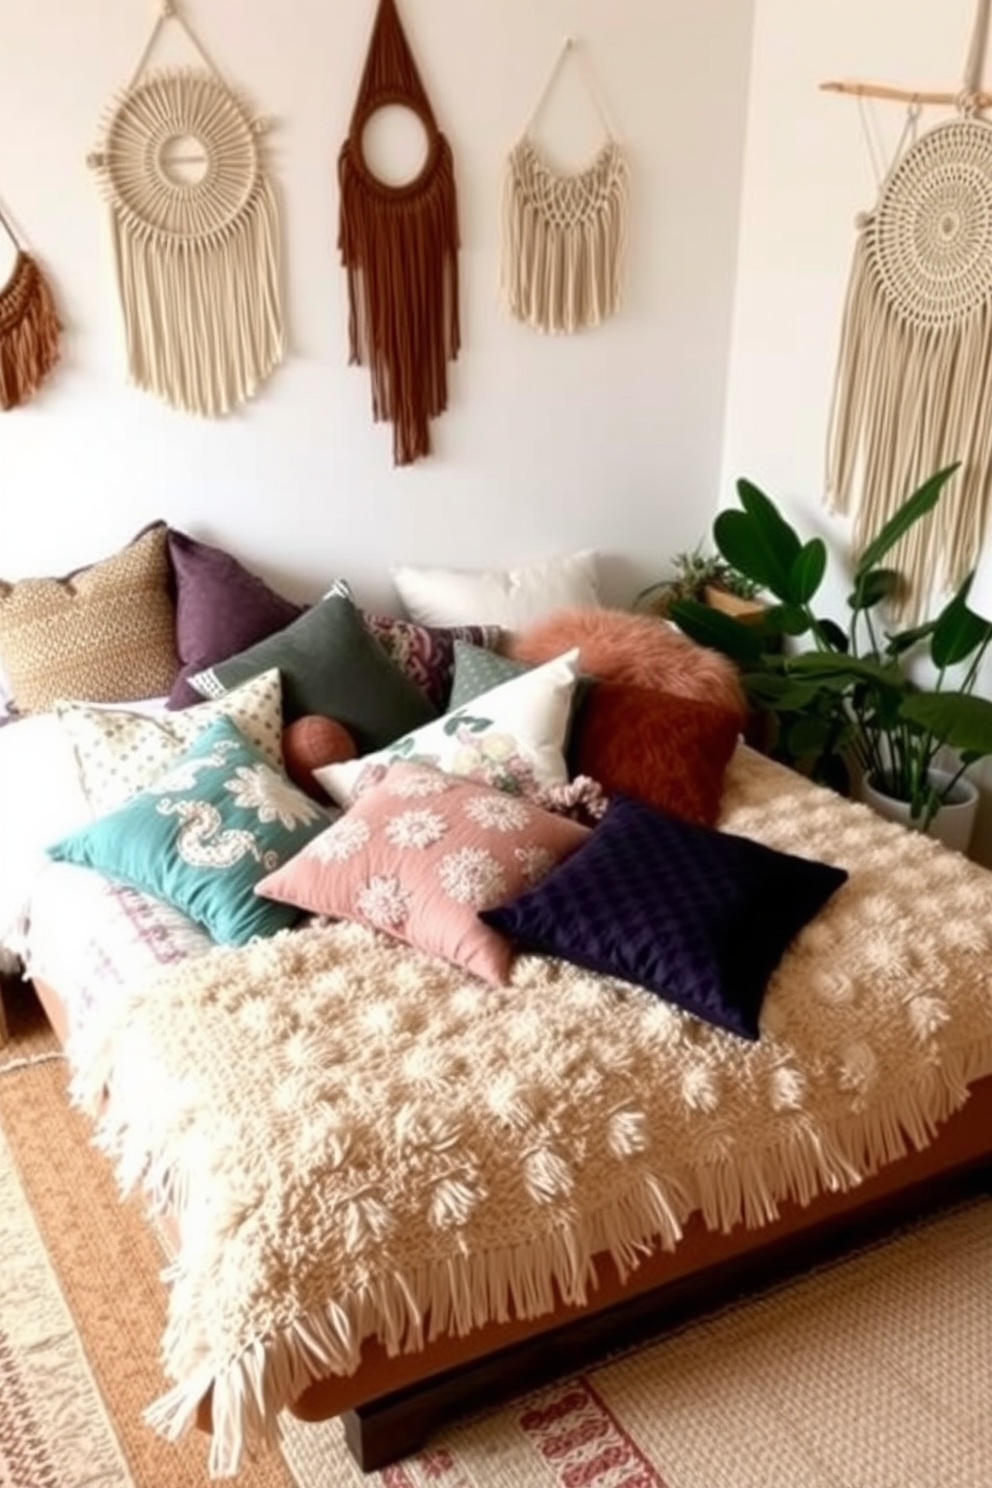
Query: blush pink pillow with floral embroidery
419	855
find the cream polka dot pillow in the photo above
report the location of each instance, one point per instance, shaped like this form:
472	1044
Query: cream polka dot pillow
120	751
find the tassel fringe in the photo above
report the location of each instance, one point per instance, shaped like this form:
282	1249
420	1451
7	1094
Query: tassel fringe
564	240
29	332
524	1281
910	399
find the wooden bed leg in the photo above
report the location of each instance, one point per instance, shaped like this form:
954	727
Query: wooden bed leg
376	1438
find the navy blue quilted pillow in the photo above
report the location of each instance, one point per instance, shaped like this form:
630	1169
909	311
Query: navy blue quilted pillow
699	916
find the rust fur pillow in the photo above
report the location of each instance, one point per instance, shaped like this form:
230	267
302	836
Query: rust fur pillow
668	751
617	646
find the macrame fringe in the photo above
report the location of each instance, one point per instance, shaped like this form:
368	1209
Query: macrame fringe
401	257
910	399
202	316
563	240
524	1281
29	332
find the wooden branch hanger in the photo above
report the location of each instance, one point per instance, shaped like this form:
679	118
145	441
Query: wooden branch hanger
970	94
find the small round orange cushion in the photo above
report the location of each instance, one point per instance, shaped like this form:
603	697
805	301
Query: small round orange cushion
311	741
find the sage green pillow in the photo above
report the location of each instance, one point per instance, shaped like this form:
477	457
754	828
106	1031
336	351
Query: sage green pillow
479	670
330	665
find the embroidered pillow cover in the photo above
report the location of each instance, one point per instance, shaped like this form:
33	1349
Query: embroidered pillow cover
119	750
419	854
699	916
512	737
203	834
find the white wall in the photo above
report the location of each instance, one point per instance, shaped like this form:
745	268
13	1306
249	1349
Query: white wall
610	439
808	171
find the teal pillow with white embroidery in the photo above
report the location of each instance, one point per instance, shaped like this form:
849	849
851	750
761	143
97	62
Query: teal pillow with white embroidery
220	819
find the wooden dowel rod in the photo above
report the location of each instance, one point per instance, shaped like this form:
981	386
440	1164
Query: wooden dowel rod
902	95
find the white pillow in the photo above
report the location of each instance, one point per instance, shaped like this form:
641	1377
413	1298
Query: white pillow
510	597
119	751
512	737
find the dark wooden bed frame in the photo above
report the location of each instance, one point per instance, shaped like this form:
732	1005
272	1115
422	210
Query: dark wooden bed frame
391	1406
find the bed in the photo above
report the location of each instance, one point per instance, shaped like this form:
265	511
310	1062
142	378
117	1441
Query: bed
399	1185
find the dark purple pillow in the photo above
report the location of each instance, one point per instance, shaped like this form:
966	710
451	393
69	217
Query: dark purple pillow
427	652
699	916
221	608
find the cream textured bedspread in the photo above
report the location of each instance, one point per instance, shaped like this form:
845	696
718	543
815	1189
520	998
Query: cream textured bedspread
361	1139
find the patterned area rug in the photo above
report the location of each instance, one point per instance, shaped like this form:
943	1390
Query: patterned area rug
872	1373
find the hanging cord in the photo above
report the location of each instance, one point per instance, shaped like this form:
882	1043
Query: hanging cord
169	11
571	47
10	231
910	131
970	96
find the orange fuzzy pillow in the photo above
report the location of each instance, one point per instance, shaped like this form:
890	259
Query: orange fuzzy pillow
671	752
618	646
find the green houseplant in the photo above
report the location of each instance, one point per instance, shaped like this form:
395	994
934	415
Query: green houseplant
839	694
702	576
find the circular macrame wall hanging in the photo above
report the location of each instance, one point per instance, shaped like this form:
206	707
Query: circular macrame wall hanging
914	371
196	239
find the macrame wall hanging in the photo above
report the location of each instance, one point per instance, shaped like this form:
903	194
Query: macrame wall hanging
564	235
913	388
195	235
399	245
29	327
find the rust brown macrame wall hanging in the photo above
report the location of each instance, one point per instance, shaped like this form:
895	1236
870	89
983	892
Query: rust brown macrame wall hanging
399	245
29	327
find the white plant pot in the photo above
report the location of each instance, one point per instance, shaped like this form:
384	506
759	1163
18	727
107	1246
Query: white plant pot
953	822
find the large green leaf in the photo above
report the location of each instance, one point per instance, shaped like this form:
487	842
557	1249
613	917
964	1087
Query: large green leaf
709	627
957	632
874	586
827	667
912	510
808	568
759	542
958	719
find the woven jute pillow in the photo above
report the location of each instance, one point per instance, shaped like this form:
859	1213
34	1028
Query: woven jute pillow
105	633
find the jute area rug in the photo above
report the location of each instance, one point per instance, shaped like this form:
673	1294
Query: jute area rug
872	1373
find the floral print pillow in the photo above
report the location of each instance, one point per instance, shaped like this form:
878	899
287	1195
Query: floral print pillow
420	854
513	737
203	834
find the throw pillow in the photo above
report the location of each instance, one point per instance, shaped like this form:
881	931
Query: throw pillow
203	834
701	917
221	609
620	647
105	633
331	665
310	742
508	597
667	750
513	737
427	652
478	670
121	750
419	855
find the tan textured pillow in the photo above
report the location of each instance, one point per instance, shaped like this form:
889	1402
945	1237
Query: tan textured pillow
101	634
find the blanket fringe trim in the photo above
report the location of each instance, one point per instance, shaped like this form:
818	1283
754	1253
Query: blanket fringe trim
403	1311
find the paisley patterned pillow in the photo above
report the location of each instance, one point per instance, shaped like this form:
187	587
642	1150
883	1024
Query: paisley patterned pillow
201	837
427	652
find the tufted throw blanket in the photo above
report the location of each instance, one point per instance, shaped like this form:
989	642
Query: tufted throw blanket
363	1140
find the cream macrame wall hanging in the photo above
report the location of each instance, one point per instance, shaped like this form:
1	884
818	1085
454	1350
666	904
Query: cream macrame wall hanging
195	235
399	245
564	235
29	327
913	389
